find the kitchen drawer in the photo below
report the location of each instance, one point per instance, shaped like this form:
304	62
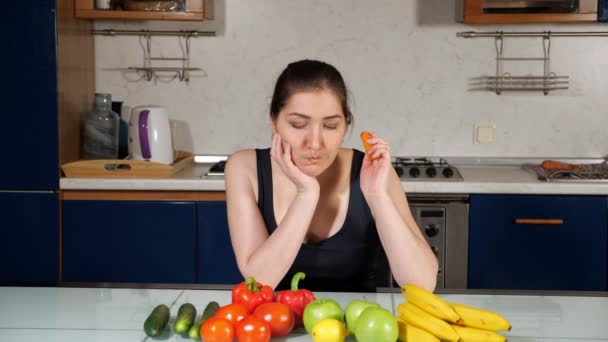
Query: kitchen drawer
129	241
569	254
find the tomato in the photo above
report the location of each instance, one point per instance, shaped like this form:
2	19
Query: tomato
252	329
217	330
232	312
279	317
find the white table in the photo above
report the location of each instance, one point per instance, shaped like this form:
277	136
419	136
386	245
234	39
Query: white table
117	314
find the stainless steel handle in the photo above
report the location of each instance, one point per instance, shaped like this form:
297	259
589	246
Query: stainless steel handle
538	221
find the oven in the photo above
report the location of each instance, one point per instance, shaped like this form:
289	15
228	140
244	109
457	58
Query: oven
444	222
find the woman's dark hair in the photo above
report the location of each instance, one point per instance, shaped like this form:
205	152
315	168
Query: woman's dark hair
309	75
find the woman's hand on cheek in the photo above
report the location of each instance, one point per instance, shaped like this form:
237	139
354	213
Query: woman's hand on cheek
280	151
376	168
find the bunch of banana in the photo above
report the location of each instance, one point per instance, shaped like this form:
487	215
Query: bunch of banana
408	332
427	317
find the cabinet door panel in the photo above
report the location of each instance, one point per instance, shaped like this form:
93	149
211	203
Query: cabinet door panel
568	256
30	237
129	241
30	137
216	260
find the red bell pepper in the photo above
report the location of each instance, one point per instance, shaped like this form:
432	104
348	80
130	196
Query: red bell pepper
296	299
252	294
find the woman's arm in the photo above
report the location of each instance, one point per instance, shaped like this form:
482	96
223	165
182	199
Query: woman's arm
409	255
267	258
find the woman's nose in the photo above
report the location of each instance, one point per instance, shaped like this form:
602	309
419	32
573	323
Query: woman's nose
315	140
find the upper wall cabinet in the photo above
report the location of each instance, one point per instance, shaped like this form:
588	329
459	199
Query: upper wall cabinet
191	10
529	11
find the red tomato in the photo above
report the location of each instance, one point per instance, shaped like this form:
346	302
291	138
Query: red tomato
278	315
232	312
217	330
252	329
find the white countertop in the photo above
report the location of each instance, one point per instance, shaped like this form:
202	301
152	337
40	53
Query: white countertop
104	314
478	179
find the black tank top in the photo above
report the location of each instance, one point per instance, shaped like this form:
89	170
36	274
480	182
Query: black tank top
346	261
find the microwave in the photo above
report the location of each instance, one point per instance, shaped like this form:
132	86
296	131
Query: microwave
538	6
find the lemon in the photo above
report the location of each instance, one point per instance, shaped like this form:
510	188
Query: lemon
329	330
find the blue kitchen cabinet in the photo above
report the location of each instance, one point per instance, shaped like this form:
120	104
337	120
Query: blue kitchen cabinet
568	256
216	260
29	178
129	241
30	238
30	138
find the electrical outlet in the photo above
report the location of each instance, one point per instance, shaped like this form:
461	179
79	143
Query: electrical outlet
485	134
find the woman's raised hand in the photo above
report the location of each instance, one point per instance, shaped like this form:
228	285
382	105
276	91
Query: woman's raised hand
280	151
376	168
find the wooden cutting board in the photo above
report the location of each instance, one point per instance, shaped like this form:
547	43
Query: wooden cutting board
125	168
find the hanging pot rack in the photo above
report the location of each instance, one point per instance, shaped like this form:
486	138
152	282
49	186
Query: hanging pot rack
504	81
150	72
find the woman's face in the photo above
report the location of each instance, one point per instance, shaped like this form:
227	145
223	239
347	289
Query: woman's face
313	124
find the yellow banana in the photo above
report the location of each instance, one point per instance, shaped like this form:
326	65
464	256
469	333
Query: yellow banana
477	335
480	318
417	317
410	333
429	302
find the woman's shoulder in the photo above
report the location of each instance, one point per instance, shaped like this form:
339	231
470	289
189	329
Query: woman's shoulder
241	162
350	153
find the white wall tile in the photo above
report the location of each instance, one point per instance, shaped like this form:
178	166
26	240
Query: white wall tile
406	69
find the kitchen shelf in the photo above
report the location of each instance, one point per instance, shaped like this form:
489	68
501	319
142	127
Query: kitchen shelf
530	18
194	11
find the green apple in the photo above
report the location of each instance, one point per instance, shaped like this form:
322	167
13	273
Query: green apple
376	325
354	310
319	309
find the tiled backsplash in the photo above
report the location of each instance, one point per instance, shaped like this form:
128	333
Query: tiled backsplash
407	71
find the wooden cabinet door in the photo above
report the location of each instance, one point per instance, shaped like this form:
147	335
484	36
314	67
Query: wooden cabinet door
474	14
511	247
129	241
29	140
216	260
29	225
193	11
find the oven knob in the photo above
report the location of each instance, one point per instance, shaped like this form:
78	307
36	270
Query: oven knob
431	230
435	250
399	171
431	171
448	172
414	172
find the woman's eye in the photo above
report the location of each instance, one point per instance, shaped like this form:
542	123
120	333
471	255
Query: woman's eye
298	126
331	126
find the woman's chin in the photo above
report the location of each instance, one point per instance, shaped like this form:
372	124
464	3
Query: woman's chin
312	170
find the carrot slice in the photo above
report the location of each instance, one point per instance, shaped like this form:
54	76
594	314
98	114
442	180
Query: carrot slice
364	136
557	165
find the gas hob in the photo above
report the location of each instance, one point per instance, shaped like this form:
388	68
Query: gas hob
426	169
407	168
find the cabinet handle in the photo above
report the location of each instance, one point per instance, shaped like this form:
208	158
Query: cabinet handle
538	221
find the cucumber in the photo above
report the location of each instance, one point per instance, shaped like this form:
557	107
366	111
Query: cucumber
185	317
195	330
156	322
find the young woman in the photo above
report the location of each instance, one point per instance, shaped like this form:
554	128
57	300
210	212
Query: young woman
307	204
